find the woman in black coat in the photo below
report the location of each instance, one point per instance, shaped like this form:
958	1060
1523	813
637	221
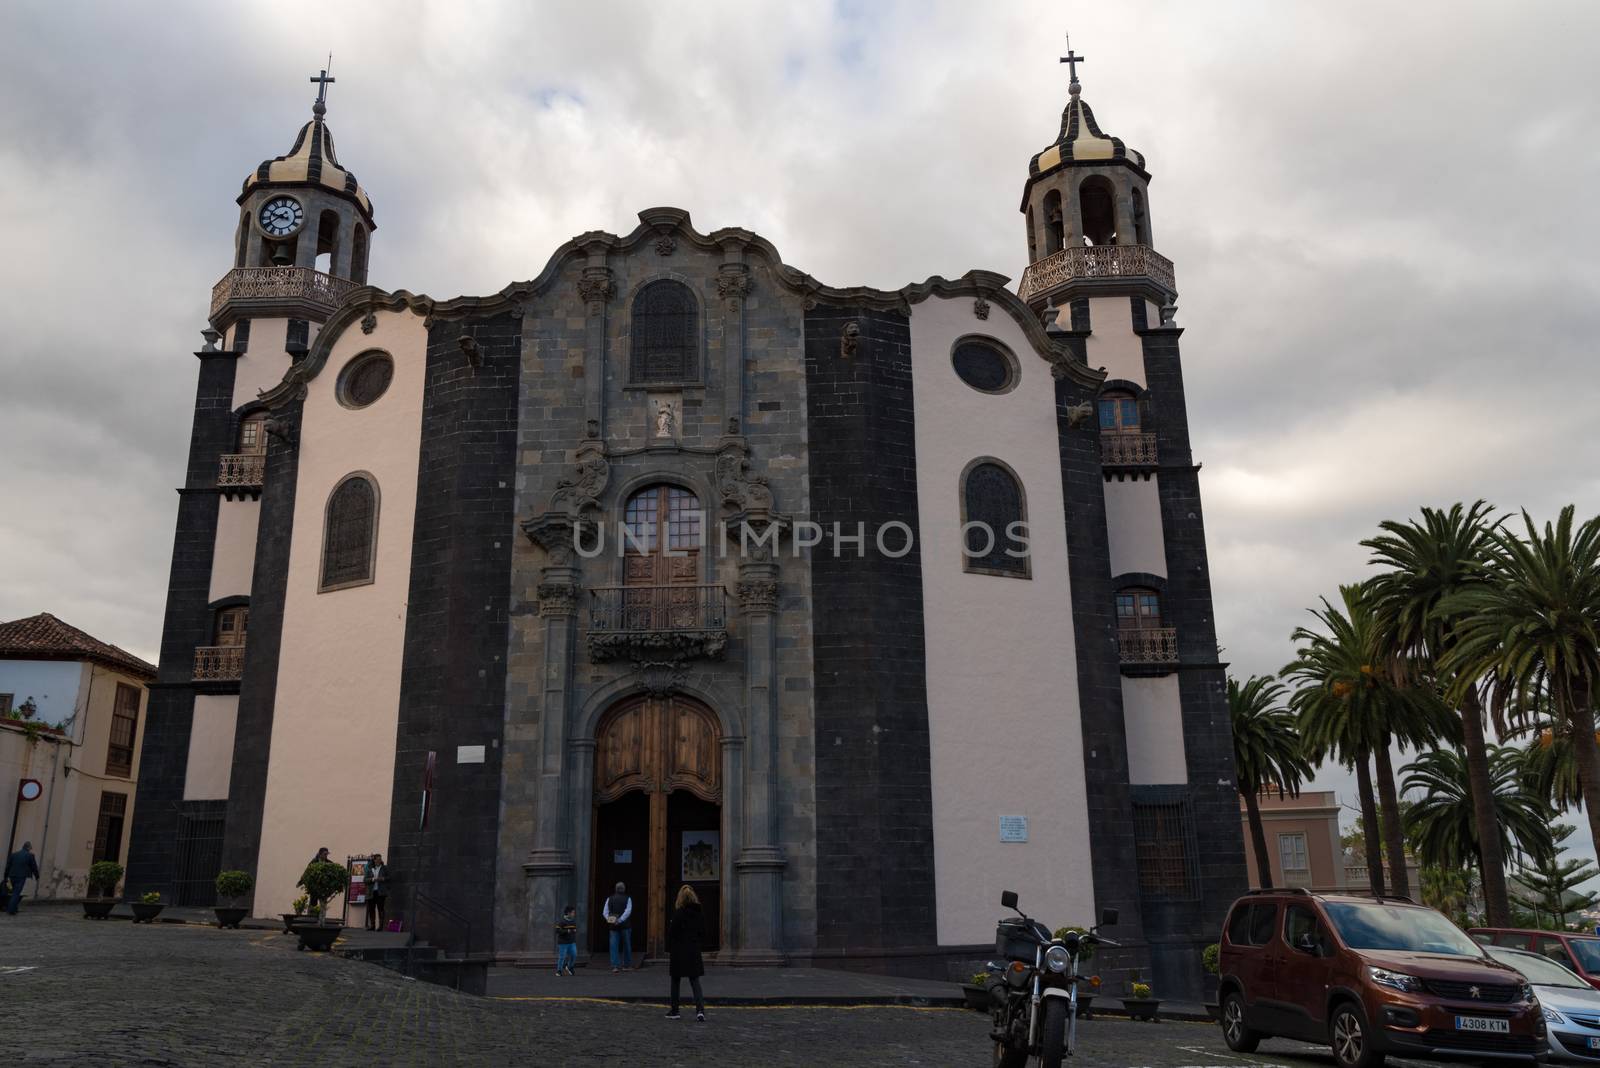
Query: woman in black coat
683	942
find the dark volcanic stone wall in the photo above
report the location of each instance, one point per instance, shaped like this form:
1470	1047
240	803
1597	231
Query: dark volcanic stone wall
452	686
875	877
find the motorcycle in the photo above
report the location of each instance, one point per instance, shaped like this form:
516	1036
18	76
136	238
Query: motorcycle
1035	987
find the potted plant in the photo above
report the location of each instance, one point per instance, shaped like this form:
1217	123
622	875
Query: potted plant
299	905
1211	960
104	875
147	908
976	992
322	880
1142	1005
231	886
1086	991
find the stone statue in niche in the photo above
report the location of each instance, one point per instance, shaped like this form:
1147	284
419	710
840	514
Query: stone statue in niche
666	420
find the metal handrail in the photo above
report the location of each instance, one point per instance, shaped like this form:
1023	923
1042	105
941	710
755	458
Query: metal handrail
280	283
1147	645
419	899
242	469
1097	261
654	609
223	663
1128	448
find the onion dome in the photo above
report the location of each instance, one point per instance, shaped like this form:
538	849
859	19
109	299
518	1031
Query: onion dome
1081	141
312	161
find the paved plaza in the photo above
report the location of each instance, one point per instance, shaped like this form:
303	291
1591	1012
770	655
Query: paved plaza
75	992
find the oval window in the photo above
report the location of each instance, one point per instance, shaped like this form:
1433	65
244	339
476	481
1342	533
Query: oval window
984	366
365	379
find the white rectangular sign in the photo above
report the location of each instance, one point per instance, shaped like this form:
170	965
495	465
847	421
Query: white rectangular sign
469	754
1013	828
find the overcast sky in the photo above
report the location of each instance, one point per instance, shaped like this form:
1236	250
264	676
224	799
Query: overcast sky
1382	216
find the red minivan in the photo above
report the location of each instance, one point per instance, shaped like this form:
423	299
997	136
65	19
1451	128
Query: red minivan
1578	953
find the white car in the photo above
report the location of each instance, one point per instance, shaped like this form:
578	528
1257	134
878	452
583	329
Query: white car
1571	1006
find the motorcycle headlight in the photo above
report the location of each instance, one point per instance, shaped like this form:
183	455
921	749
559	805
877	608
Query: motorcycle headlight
1395	980
1553	1016
1056	958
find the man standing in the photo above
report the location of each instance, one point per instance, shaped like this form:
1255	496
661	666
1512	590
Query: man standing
377	892
20	867
619	906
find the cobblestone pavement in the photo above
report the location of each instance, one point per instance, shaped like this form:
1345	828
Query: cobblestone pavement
74	992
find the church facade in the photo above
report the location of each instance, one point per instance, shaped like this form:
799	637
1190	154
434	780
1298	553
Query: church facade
849	607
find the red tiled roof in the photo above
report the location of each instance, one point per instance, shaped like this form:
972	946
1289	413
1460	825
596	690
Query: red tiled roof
44	637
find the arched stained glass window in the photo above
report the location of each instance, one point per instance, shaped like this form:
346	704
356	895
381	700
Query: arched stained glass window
994	520
665	345
350	533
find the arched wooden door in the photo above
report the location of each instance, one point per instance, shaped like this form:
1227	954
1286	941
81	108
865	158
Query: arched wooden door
658	814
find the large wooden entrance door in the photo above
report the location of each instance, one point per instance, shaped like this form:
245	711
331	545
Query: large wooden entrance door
658	814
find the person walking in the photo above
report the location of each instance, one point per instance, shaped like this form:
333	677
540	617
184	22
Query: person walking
618	907
684	934
377	893
567	941
20	867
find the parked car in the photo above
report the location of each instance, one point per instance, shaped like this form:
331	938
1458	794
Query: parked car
1575	952
1571	1006
1370	978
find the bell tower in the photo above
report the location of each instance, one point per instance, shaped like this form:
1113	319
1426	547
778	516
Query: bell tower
1087	208
304	232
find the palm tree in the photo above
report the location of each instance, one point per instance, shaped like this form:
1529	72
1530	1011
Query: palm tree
1352	710
1428	561
1550	764
1534	627
1266	753
1444	822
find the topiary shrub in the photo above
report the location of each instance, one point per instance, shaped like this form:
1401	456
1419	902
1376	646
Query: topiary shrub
322	881
1085	949
234	884
104	875
1211	958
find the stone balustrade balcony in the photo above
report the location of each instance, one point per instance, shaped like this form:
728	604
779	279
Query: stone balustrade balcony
657	622
250	292
1087	266
1127	448
1148	645
218	663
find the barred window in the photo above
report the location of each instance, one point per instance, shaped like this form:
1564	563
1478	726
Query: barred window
1163	833
108	830
365	379
665	340
350	533
984	366
994	520
124	729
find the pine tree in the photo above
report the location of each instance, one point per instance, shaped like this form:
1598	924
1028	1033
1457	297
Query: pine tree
1552	883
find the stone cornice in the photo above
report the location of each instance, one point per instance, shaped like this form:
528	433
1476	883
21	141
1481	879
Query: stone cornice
733	243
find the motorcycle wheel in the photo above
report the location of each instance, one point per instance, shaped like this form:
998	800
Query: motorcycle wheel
1054	1049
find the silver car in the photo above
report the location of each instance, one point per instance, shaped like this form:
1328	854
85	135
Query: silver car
1571	1006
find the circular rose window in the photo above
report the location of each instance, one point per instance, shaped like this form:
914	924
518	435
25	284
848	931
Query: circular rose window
365	379
984	366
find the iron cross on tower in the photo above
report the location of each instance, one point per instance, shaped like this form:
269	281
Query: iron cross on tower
1071	59
323	81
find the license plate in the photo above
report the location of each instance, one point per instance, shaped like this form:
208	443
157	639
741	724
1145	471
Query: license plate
1483	1023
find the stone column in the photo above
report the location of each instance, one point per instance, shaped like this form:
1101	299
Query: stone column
1124	213
732	839
733	285
596	286
760	861
549	866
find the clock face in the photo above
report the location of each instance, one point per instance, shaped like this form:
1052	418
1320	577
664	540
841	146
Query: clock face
281	216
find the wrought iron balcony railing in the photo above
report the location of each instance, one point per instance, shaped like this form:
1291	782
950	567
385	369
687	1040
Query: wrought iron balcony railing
1150	645
1097	261
657	622
242	469
218	663
279	285
1127	448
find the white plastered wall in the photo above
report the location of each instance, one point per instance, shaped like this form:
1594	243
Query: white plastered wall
234	559
211	747
1133	526
334	718
1112	344
1154	717
1002	670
